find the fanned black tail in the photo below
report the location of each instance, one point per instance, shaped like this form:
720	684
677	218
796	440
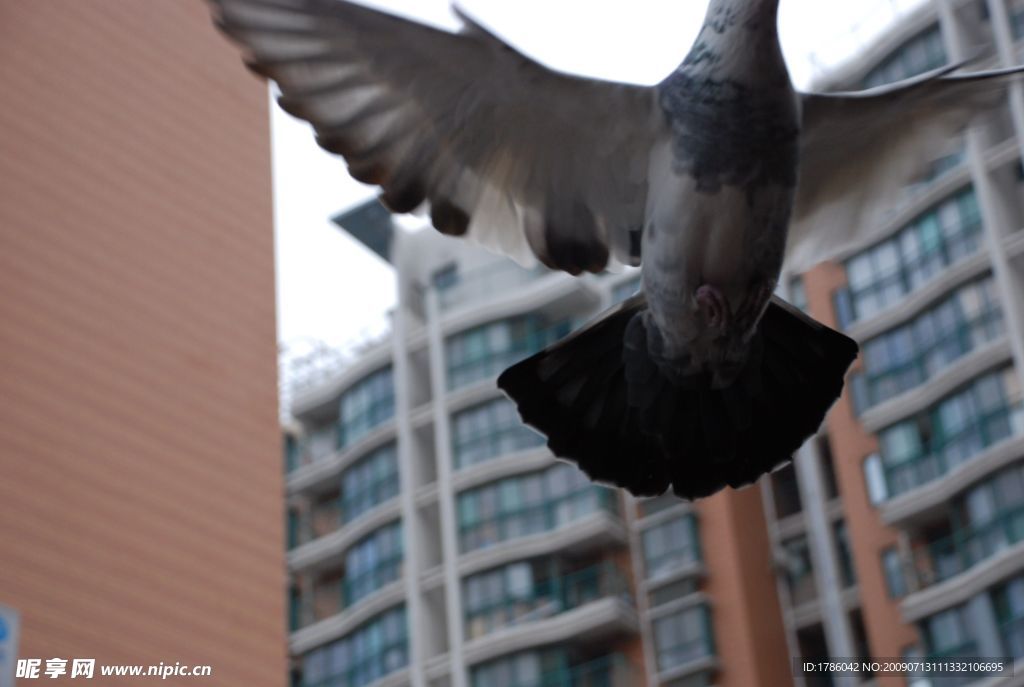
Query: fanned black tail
603	403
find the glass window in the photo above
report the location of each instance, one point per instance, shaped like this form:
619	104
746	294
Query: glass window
892	567
949	634
921	53
368	404
370	481
486	350
884	273
670	545
683	637
373	650
373	562
489	430
527	504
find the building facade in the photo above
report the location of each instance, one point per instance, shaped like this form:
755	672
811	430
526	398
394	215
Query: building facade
140	511
900	525
434	542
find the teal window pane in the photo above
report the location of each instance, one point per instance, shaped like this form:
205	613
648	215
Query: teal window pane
369	482
365	406
372	651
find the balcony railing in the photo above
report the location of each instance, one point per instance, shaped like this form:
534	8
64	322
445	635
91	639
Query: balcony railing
533	519
980	433
929	358
469	368
547	598
329	517
493	443
608	671
944	558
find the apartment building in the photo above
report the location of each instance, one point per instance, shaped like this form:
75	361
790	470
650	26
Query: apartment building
140	511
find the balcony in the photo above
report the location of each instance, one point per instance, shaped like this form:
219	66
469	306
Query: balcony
327	518
949	452
608	671
944	558
537	518
547	598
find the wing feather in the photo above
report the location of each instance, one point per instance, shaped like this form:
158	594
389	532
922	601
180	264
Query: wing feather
860	150
514	155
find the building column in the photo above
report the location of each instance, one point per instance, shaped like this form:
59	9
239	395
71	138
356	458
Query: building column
413	558
446	493
822	544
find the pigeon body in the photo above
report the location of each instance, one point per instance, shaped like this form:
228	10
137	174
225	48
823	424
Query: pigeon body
722	188
710	180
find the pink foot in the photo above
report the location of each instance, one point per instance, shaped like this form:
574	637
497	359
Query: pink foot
714	305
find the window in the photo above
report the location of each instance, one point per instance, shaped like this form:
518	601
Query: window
922	448
683	637
986	520
874	477
949	634
376	649
504	596
892	567
921	53
527	504
291	453
373	562
670	545
369	482
1009	605
485	351
786	491
532	590
845	555
546	668
799	572
319	443
883	274
489	430
365	406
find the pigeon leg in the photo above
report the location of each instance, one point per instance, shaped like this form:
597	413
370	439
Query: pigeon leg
714	305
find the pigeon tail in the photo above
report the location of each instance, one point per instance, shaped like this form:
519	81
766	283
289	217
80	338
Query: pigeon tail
603	403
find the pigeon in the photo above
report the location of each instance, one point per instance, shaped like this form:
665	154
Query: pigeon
709	181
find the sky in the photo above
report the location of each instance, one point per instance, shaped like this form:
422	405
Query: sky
333	291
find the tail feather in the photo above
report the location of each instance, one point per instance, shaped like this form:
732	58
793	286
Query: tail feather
603	403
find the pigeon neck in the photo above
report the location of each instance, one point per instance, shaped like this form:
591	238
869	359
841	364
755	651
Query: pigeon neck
739	40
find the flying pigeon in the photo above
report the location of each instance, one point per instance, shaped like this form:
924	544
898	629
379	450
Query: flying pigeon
705	378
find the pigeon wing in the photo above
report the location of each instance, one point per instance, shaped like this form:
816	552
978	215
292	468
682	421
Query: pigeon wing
512	154
859	151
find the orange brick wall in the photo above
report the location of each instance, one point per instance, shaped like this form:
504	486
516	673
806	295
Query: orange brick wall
750	642
140	497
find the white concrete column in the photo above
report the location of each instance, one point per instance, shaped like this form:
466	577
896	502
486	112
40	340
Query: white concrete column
822	544
446	493
413	558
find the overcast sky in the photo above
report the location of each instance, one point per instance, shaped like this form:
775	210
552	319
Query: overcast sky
331	289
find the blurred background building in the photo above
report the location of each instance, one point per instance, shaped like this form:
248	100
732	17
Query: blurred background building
434	542
902	525
140	511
